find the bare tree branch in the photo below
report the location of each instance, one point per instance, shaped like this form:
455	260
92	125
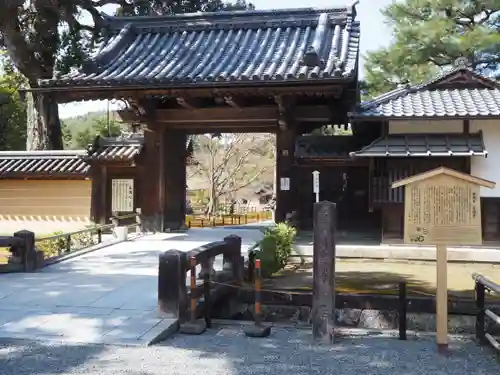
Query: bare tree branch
232	163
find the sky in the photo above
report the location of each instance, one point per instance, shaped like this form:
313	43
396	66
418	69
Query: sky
374	34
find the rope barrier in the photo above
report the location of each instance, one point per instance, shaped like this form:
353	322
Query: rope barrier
341	290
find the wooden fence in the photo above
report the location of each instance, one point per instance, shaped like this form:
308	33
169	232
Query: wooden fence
484	330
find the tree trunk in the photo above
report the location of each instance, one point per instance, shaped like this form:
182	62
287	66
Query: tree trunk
43	124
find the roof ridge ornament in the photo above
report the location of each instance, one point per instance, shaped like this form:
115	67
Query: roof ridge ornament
311	58
461	62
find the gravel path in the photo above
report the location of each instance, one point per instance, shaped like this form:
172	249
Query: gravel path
225	351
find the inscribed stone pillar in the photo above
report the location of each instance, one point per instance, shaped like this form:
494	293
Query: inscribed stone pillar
323	314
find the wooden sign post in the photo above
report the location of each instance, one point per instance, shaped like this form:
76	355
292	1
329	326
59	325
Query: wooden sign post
442	207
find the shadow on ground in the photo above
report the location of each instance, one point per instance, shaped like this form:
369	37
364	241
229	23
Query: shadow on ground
291	351
226	351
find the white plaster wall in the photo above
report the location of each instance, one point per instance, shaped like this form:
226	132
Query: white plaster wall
488	168
425	126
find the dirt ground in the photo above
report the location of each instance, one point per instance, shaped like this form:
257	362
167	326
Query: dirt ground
372	276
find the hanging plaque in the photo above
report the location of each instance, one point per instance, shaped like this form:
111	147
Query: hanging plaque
122	195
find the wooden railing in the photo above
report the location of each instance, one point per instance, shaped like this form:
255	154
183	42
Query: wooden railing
200	221
484	329
174	266
23	257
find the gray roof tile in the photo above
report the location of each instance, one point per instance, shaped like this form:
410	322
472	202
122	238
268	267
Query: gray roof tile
223	47
428	100
413	145
437	103
42	164
312	146
116	148
122	148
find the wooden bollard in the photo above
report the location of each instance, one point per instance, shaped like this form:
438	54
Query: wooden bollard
192	285
193	326
258	330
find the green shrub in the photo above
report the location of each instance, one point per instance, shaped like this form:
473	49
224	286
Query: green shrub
274	249
57	246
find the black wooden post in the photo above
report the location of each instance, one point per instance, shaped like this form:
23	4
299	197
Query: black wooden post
480	292
28	254
233	257
324	271
207	266
172	291
402	311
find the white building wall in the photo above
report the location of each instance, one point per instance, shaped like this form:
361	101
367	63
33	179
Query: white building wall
425	126
488	168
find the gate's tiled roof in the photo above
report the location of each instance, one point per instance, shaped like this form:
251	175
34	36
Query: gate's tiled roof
43	164
223	47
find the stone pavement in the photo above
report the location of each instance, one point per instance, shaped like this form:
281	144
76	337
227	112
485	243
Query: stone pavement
105	296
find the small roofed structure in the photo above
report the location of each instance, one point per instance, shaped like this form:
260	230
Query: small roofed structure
116	162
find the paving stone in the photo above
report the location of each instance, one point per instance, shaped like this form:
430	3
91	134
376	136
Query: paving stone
109	295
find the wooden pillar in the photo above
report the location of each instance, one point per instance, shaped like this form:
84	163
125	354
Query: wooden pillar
285	172
442	299
149	162
95	203
172	178
100	202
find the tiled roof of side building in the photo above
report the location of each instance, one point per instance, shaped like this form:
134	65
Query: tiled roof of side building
223	47
429	100
412	145
122	148
43	164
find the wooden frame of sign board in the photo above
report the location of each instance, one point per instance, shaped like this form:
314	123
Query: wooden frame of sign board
442	207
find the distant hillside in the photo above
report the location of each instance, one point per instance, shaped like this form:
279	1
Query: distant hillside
79	131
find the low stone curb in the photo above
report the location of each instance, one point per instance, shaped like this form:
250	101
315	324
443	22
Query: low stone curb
478	255
164	334
87	250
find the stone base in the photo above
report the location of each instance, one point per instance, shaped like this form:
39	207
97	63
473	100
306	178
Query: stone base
356	318
257	331
151	224
156	224
196	327
442	349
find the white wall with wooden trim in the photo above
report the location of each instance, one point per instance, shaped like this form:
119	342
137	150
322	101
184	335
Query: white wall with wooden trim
44	206
425	126
489	167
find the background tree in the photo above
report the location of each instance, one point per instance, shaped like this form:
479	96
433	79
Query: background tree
432	34
100	127
45	38
12	110
231	162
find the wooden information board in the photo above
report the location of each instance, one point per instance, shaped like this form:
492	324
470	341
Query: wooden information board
442	210
442	207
